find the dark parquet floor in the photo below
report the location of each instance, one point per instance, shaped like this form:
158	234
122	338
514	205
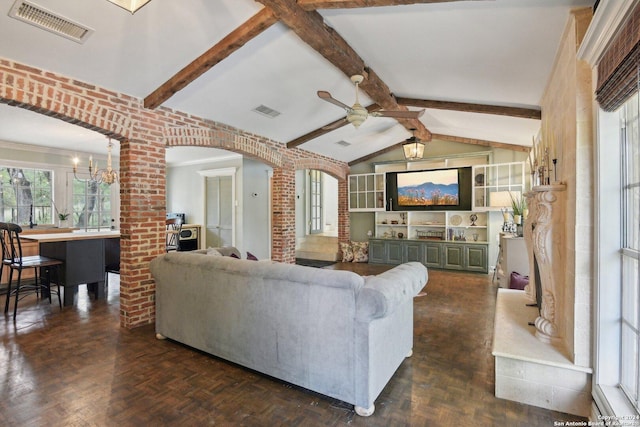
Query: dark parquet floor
77	367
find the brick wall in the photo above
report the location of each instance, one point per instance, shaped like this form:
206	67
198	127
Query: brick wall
143	136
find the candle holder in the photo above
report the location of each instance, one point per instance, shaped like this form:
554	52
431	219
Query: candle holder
555	170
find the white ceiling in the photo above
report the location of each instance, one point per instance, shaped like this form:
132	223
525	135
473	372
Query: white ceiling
488	52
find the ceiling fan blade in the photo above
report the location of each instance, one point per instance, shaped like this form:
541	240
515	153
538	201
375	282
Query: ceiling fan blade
327	97
336	124
398	114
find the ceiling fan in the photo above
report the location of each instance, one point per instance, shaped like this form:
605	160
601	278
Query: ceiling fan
357	114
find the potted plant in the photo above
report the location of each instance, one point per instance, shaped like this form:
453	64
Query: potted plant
519	206
62	216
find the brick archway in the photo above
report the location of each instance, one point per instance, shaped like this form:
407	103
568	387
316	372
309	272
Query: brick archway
144	135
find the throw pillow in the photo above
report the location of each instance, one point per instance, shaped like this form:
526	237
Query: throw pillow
251	256
347	252
233	255
518	281
360	251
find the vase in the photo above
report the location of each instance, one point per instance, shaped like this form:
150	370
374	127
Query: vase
517	219
62	223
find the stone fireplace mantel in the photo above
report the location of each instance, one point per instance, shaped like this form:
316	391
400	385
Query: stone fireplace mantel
544	235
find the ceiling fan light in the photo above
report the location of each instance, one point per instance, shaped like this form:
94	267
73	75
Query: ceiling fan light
413	149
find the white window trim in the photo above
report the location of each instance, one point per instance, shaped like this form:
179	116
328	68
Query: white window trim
608	397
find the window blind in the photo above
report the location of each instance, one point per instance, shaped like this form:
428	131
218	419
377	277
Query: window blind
617	75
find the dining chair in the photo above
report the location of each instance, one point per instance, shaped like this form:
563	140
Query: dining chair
174	227
12	257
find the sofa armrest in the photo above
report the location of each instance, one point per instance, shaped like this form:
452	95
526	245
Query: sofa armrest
383	293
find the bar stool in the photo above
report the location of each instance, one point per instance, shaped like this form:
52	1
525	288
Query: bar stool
13	258
174	227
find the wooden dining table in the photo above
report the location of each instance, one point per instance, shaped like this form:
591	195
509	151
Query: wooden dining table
84	255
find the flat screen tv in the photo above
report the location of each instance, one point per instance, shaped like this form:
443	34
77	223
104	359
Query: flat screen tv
435	189
428	188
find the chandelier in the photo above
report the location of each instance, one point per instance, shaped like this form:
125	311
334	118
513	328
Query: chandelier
413	148
107	175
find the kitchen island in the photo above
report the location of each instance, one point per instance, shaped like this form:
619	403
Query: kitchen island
83	253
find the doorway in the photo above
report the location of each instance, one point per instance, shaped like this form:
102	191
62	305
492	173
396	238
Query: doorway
220	210
316	215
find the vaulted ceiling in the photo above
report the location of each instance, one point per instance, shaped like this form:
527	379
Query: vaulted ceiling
477	67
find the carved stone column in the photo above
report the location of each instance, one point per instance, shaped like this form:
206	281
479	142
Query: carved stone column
546	234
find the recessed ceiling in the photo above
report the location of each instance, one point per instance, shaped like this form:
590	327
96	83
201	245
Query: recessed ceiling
485	52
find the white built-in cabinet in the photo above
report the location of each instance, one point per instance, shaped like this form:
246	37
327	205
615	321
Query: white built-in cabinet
493	185
367	192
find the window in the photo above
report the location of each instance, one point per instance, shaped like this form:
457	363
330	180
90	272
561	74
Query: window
91	205
630	252
26	195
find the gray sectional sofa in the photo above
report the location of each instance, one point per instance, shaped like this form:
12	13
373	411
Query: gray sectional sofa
333	332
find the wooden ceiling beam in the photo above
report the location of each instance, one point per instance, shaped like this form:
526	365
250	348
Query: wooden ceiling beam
311	28
523	113
350	4
231	43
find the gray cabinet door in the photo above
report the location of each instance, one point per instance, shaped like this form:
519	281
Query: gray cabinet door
454	257
476	258
433	255
394	252
413	251
377	253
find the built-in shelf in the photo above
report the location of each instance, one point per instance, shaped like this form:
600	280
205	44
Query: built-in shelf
432	225
493	185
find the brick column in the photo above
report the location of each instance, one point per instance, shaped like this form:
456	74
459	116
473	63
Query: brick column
142	227
284	215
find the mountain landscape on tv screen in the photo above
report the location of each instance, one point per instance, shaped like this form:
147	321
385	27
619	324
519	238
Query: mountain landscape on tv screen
428	194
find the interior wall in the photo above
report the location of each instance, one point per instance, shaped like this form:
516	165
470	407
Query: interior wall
568	118
254	209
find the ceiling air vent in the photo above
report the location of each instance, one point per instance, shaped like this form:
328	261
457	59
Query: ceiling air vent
266	111
42	18
343	143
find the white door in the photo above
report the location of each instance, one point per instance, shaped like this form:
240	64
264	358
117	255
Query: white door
220	211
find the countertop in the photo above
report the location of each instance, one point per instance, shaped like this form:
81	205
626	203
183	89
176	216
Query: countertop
79	235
